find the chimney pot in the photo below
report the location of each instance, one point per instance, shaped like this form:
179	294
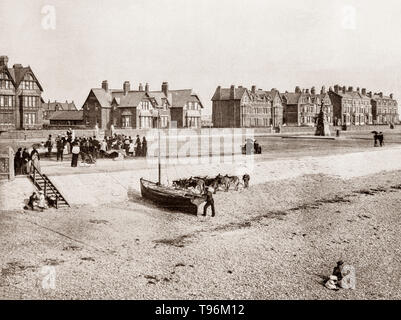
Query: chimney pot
146	87
364	91
313	90
391	96
105	85
297	89
126	87
3	61
165	88
253	89
140	87
232	92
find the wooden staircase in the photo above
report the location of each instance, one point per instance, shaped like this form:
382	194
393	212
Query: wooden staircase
42	182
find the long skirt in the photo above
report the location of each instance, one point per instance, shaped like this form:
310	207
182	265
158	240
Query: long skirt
36	163
74	161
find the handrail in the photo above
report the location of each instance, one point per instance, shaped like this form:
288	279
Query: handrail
45	179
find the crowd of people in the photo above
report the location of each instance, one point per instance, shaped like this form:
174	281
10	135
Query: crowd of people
25	160
88	148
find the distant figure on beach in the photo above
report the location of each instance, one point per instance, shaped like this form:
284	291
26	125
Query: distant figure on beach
246	179
375	138
209	202
380	136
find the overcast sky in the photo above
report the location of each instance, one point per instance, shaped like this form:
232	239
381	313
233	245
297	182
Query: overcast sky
201	44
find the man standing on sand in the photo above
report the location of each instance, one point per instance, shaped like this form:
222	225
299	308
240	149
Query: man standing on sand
380	136
49	145
246	179
209	202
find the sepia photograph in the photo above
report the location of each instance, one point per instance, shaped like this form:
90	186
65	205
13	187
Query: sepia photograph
193	150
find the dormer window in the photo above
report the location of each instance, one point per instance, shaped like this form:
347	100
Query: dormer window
29	83
5	81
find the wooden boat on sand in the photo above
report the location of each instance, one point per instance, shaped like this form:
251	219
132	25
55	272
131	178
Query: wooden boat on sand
171	198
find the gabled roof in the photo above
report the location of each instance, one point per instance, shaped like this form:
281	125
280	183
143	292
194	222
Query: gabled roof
103	97
292	97
65	106
351	94
8	71
132	99
225	94
67	115
181	97
377	97
18	73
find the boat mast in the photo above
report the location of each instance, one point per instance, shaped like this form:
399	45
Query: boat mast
158	130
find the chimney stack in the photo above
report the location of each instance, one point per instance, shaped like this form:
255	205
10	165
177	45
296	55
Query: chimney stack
336	88
323	91
140	87
146	87
381	94
350	89
364	91
253	89
232	92
3	61
344	89
126	87
105	85
307	91
313	90
297	89
391	96
370	94
218	90
165	88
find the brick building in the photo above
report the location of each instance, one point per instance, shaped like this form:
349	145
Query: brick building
302	106
384	108
51	107
140	108
350	107
20	97
68	118
239	107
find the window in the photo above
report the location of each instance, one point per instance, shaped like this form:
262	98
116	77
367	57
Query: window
126	121
29	118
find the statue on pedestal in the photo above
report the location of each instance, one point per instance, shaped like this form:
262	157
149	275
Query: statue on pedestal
322	125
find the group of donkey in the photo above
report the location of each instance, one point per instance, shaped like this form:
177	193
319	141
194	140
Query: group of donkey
199	183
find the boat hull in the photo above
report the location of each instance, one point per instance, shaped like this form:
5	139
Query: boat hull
171	199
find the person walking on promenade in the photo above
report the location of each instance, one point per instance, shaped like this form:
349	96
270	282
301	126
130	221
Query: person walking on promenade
381	139
18	162
75	154
209	202
60	143
375	138
138	146
25	161
49	146
144	147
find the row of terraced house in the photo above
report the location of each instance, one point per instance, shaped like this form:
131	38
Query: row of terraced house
242	107
22	106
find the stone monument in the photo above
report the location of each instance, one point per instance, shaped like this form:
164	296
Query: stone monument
322	125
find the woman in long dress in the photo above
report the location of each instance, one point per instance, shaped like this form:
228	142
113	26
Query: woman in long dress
35	159
75	154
